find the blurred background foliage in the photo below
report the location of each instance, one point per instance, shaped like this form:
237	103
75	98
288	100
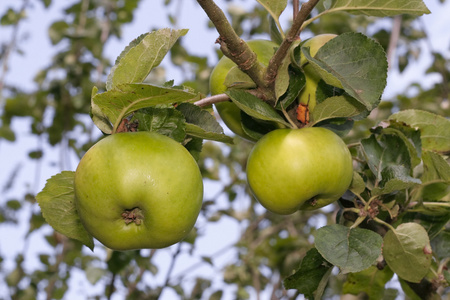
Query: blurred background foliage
56	114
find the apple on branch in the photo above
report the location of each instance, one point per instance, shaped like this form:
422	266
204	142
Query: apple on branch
138	190
299	169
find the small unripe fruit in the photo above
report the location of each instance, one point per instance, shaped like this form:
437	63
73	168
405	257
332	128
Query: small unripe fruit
308	94
228	111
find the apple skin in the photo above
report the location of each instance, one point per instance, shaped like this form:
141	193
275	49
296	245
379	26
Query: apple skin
299	169
228	111
308	94
143	170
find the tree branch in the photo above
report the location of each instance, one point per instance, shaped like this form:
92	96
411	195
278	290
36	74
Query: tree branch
110	289
170	270
212	99
232	45
238	51
292	35
295	8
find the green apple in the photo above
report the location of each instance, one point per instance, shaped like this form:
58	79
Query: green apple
228	111
308	94
299	169
138	190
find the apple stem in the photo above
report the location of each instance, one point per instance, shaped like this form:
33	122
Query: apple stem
352	145
133	216
286	115
385	224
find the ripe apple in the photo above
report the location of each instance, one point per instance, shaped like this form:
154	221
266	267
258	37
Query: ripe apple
308	94
138	190
299	169
228	111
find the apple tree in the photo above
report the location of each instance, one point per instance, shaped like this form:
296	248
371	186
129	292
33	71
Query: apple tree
312	141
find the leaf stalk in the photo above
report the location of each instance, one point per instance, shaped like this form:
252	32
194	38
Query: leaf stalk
358	221
384	223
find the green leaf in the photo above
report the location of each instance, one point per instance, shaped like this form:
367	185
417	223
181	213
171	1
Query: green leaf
275	34
433	224
287	77
275	8
11	17
98	117
295	80
46	3
411	136
141	56
377	8
217	295
166	121
379	154
358	185
340	126
408	291
194	146
119	260
202	124
435	133
255	107
434	194
351	249
58	31
37	154
435	167
447	276
337	107
36	222
235	78
308	277
441	244
354	62
407	251
124	99
370	281
57	203
255	129
7	133
395	178
196	115
199	132
325	91
94	274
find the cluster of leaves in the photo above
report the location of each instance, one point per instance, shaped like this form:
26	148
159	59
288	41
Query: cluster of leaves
164	109
397	205
390	190
357	94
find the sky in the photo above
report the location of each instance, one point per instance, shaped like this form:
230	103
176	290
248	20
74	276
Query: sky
37	53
